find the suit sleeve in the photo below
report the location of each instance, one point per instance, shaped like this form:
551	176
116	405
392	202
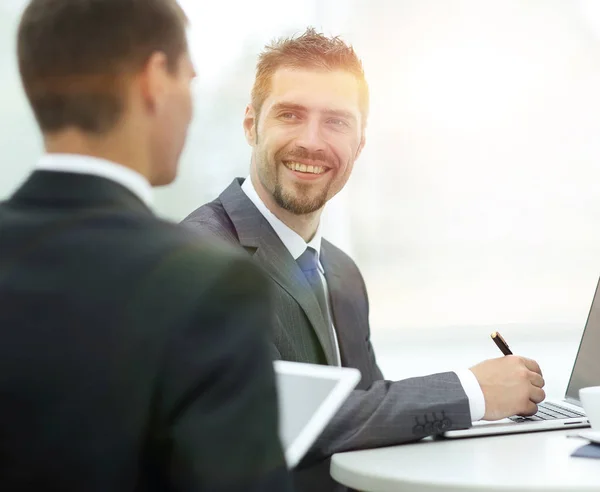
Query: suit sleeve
394	412
391	412
375	370
218	393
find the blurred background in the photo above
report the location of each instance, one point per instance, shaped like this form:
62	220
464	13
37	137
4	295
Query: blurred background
476	203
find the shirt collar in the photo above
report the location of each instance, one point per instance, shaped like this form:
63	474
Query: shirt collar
85	164
293	242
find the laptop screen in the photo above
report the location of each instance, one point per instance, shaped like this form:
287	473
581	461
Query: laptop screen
586	371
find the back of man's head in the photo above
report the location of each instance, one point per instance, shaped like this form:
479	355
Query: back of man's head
74	54
77	59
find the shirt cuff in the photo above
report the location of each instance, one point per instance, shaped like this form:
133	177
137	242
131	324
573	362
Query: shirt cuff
474	393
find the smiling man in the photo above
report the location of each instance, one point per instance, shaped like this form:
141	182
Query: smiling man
306	126
312	123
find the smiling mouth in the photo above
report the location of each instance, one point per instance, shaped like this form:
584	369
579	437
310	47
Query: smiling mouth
303	168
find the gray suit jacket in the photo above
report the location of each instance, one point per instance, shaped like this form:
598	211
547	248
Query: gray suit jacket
379	412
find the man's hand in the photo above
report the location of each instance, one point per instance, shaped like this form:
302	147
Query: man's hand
511	385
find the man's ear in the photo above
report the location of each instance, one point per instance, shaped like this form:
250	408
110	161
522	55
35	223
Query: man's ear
363	139
154	79
250	122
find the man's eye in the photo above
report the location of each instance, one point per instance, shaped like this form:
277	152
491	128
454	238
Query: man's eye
288	116
337	122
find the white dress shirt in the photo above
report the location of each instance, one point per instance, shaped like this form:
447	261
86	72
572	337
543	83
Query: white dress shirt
296	246
85	164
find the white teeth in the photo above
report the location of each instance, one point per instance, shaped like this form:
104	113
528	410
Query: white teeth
303	168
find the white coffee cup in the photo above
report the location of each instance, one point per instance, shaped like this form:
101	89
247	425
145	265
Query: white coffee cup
590	399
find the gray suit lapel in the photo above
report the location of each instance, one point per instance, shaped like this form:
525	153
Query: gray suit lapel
254	232
346	314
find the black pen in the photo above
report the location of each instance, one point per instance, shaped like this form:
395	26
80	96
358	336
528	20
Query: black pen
502	345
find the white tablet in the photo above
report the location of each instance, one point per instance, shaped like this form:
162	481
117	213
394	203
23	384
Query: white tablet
309	395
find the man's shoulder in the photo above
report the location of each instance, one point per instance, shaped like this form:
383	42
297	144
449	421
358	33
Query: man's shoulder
211	220
187	263
146	243
209	212
200	243
340	257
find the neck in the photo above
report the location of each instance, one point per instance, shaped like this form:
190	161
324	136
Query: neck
304	225
117	148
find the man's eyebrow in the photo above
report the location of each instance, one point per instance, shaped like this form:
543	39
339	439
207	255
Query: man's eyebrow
288	107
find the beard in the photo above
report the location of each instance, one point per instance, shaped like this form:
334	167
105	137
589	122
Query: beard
297	198
300	203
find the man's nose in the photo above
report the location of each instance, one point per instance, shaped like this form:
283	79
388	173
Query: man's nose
310	137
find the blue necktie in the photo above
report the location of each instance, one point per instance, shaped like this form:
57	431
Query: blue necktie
308	263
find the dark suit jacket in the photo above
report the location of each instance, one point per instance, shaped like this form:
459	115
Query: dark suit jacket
378	412
132	357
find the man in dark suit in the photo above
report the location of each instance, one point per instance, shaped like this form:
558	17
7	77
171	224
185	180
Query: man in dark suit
306	125
133	356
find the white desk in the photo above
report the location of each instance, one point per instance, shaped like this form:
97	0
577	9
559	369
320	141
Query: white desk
538	461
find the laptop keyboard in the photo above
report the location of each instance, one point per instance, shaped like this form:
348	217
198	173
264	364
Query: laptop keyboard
549	411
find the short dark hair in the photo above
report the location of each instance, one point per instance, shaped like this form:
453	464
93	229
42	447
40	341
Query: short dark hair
74	56
311	50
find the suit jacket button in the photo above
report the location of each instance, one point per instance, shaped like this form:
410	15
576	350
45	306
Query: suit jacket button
418	430
446	423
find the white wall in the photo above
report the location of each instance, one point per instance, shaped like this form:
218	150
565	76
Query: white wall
476	200
479	185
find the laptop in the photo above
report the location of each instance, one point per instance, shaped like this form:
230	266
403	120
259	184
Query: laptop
309	395
560	414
